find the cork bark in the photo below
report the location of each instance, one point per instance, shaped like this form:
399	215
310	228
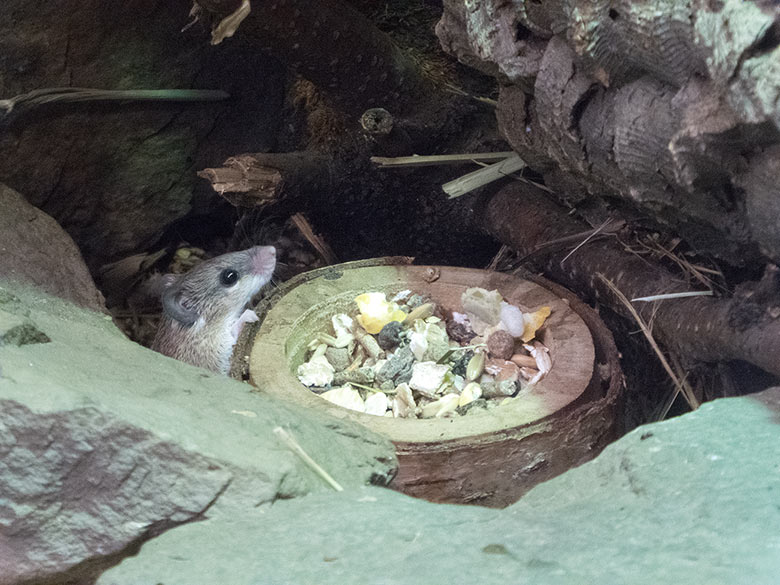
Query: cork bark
666	109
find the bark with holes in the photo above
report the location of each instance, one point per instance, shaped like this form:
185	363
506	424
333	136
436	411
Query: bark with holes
670	109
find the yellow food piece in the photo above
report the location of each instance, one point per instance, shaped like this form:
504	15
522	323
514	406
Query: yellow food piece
533	321
376	311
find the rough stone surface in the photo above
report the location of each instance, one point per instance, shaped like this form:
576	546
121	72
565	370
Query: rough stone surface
116	174
104	444
34	248
692	500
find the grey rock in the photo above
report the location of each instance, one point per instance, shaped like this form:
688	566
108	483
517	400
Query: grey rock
104	443
461	361
415	301
398	367
692	500
338	357
502	389
478	404
359	376
390	335
35	249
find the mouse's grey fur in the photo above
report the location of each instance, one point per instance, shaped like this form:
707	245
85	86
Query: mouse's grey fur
202	315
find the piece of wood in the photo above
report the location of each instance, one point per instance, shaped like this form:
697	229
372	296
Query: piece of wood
254	180
322	247
700	328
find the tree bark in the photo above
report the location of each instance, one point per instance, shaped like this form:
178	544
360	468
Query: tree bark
671	109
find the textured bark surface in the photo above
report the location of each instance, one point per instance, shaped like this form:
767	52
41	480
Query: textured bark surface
666	108
745	327
255	180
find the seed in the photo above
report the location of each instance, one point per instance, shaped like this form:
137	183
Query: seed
475	366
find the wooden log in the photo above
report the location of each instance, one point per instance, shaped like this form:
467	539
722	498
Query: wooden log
698	328
658	105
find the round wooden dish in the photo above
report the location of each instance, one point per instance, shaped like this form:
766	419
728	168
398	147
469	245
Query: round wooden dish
489	457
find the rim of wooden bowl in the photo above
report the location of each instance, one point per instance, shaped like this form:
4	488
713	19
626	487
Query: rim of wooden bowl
305	310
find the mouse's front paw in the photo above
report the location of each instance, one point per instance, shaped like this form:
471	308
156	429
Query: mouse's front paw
248	316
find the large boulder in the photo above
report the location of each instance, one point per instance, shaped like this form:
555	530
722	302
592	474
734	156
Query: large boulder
692	500
35	249
104	444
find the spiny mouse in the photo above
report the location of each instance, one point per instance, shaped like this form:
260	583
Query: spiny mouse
203	310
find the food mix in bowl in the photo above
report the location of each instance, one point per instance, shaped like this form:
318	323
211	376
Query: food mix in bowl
406	357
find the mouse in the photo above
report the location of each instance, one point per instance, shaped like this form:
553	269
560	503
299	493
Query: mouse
204	309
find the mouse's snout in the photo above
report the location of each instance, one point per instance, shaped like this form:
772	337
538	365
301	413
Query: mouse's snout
264	260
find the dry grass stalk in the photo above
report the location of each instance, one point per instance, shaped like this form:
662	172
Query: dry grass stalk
691	270
293	445
439	159
503	253
594	233
479	178
684	389
685	384
322	247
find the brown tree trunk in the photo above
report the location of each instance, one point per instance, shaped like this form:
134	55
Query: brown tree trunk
746	327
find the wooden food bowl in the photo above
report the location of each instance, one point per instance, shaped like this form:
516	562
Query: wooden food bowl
489	457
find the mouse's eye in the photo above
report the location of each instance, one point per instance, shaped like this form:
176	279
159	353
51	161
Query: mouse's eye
228	277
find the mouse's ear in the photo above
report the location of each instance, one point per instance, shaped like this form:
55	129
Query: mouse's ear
173	307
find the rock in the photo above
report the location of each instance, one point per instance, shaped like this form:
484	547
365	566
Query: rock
104	444
459	365
390	335
502	370
655	503
118	177
478	404
460	330
415	301
358	376
501	344
338	357
498	389
398	367
377	404
35	249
